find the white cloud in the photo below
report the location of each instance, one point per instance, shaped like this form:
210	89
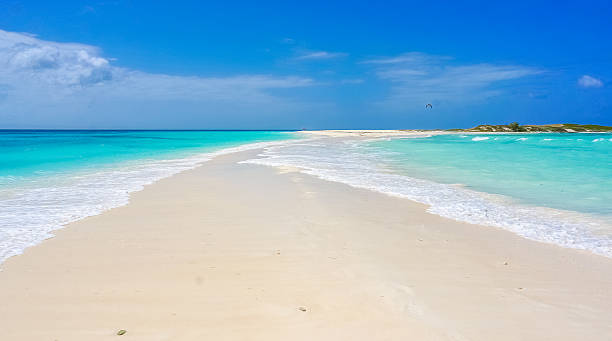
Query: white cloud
587	81
319	55
24	56
352	81
409	57
417	77
44	76
250	88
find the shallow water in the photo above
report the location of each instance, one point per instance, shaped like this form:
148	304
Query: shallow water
50	178
564	171
548	187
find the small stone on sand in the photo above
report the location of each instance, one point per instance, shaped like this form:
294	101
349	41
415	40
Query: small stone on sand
302	308
121	332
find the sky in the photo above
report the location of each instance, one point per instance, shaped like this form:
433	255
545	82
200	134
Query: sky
314	65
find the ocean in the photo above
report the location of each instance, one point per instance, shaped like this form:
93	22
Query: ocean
554	188
51	178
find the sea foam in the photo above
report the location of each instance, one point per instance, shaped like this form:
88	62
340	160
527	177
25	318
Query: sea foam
349	162
30	213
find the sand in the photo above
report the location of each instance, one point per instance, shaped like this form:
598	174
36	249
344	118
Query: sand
233	251
408	133
375	133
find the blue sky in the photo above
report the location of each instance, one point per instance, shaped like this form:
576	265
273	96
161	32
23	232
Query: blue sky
274	65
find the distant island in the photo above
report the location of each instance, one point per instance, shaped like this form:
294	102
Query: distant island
547	128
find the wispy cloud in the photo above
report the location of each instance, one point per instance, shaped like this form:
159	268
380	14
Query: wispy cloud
409	57
587	81
87	10
25	57
319	55
417	77
352	81
40	74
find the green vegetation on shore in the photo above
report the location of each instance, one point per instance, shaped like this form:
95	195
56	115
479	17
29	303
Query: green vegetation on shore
548	128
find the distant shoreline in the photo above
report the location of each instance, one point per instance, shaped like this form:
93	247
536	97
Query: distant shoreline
424	133
483	128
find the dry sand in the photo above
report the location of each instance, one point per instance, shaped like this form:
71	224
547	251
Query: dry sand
233	251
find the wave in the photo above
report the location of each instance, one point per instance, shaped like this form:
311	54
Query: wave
351	163
480	138
29	214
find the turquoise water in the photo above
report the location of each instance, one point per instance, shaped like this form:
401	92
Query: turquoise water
564	171
554	188
50	178
34	153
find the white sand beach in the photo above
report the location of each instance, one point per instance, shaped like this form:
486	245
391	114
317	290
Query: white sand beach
374	133
231	251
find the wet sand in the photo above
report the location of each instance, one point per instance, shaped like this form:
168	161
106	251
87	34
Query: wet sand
233	251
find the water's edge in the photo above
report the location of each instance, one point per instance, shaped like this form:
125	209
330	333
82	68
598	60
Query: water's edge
461	204
135	177
563	228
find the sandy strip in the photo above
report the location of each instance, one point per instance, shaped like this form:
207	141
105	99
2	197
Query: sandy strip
234	251
375	133
404	133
